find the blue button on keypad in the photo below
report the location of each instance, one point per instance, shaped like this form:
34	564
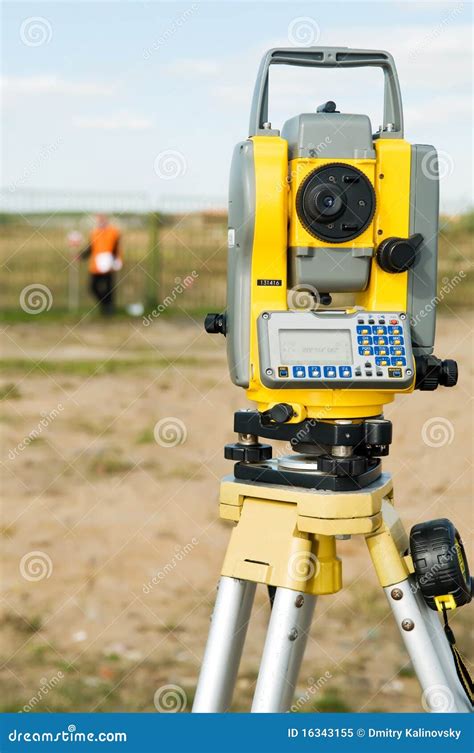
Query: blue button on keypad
382	361
314	372
330	372
364	330
399	361
383	351
395	331
397	350
367	340
396	340
299	372
367	351
345	372
379	330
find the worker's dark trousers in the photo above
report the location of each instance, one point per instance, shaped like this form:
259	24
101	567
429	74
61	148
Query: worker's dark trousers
102	287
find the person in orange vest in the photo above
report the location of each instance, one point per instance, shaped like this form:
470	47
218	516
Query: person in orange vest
105	258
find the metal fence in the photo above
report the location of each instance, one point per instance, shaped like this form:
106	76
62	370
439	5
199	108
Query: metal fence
178	248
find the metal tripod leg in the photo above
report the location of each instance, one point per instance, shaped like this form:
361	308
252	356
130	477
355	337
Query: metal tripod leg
224	645
428	648
284	648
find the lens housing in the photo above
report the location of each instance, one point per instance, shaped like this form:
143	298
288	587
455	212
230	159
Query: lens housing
336	202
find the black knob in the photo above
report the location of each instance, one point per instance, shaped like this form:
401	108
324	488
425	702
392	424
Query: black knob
328	106
279	414
350	466
215	324
398	254
449	373
431	372
248	453
325	299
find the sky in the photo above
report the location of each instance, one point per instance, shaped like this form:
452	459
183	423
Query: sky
152	96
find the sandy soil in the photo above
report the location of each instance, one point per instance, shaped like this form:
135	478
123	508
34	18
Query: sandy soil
109	509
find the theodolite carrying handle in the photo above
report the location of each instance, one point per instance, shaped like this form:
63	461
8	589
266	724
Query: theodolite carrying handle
331	57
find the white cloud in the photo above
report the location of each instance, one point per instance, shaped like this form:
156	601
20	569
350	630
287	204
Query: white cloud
119	121
14	87
191	68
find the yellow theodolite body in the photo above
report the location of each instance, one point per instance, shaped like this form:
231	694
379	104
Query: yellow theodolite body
389	173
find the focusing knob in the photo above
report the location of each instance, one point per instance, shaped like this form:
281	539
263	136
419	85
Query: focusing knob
278	414
449	373
431	373
215	324
398	254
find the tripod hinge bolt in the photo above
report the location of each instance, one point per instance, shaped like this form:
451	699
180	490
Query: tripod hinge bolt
299	601
408	625
396	594
293	634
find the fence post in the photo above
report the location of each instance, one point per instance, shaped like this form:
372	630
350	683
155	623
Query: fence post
73	286
153	261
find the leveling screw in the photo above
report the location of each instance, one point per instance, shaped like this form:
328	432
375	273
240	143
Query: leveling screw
397	594
299	601
293	634
408	625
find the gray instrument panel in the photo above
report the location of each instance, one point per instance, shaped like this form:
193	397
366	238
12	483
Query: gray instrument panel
335	350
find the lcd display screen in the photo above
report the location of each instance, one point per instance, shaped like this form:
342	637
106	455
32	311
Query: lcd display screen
316	346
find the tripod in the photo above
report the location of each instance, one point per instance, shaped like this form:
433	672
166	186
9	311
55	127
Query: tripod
285	537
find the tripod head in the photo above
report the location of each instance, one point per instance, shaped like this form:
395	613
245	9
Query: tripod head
327	207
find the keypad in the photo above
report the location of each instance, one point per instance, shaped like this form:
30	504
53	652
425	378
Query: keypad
379	353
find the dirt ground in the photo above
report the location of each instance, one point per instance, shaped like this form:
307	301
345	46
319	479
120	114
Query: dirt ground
112	543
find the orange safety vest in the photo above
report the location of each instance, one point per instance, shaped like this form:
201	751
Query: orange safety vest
103	244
